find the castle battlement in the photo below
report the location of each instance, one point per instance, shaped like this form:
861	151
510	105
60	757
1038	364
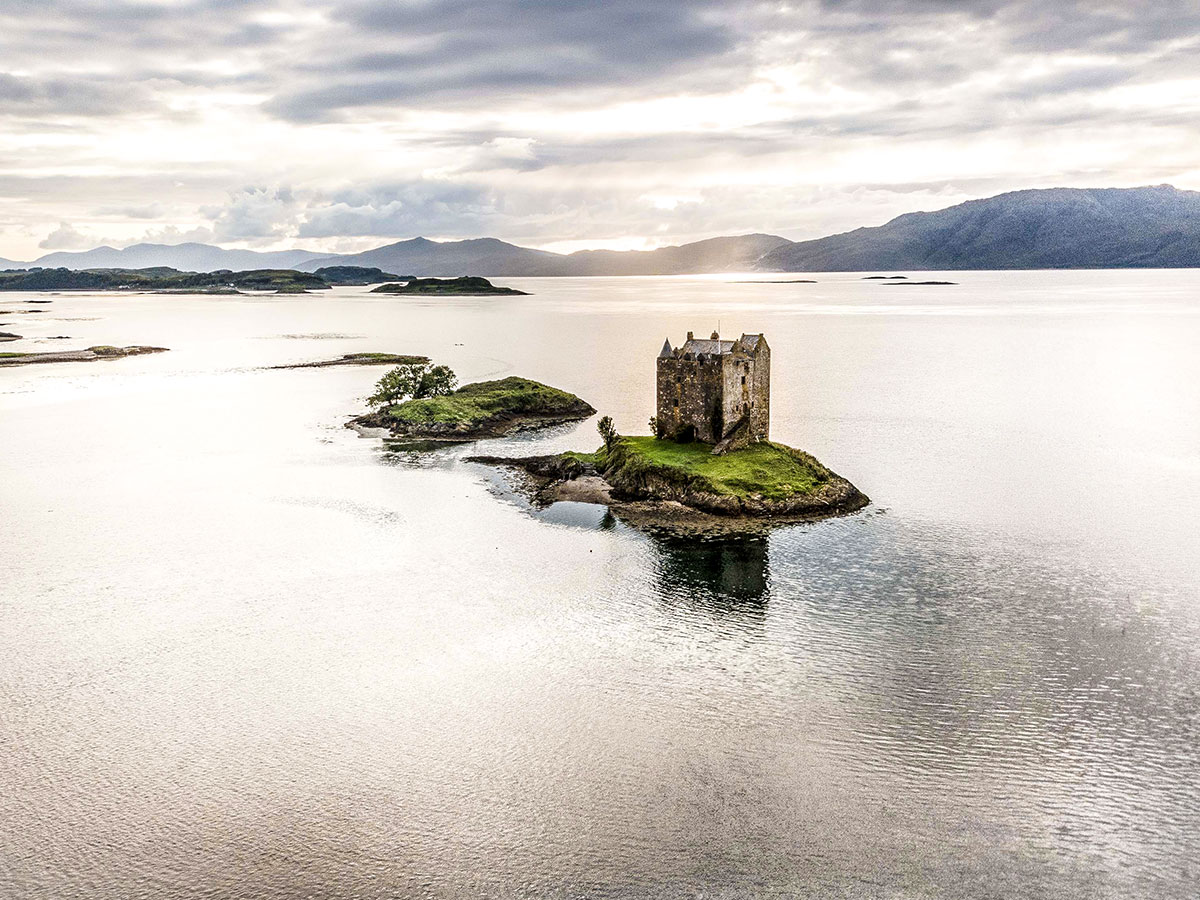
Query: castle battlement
715	391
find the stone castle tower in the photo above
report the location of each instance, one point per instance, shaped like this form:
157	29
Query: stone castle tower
715	391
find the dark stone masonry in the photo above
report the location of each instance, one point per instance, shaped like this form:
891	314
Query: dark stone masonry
715	391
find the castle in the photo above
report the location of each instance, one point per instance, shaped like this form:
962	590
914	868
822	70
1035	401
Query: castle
715	391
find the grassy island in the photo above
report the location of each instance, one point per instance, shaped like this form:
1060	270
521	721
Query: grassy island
483	409
764	470
467	286
662	483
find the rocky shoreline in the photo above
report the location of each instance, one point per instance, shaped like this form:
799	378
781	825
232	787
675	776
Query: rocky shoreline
651	501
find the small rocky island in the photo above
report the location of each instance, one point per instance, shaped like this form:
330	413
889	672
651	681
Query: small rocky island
709	464
360	359
656	482
419	402
466	286
91	354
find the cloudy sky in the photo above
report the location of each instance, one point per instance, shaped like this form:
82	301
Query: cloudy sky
342	124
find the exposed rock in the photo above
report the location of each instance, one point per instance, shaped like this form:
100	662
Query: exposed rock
359	359
89	355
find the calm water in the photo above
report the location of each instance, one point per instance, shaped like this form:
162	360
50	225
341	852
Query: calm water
247	653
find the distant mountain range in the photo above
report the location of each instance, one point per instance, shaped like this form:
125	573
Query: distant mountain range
494	257
1059	228
190	257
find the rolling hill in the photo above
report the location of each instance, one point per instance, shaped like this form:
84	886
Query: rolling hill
1058	228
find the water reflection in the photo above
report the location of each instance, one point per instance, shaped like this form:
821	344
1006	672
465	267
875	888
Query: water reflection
725	574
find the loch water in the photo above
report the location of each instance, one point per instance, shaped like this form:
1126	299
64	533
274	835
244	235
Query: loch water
246	652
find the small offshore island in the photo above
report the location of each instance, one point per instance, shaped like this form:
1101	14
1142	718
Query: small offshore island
709	466
436	411
657	482
360	359
466	286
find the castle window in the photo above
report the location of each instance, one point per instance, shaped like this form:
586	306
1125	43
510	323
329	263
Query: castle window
675	403
743	379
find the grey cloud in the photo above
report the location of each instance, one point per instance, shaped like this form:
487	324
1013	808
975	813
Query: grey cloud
1092	78
403	210
450	52
84	96
112	35
147	211
66	237
254	214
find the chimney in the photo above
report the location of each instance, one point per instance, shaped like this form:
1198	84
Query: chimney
689	335
715	336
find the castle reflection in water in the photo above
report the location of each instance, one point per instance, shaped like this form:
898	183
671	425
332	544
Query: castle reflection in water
729	573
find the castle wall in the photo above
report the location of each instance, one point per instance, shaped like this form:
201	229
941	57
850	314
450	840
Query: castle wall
760	394
736	379
690	392
746	393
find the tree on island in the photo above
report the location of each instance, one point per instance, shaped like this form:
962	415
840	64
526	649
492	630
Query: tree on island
413	381
608	431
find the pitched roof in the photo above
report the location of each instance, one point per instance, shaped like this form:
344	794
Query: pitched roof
708	347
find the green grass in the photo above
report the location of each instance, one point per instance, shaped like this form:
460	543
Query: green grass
773	471
12	355
596	459
478	402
